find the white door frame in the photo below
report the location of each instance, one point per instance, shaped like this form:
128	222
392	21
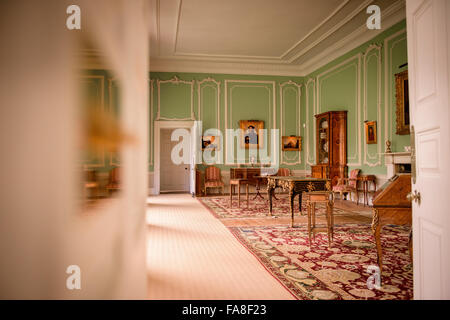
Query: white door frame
175	124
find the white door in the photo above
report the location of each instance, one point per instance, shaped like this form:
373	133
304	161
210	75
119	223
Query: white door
428	30
174	178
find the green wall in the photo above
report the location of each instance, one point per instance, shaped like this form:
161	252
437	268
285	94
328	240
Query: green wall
361	82
100	90
221	100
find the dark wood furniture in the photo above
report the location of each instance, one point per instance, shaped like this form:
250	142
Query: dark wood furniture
213	179
331	146
243	176
238	182
295	186
390	206
198	183
365	179
327	198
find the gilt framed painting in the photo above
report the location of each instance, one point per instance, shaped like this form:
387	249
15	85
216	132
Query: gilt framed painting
371	132
291	143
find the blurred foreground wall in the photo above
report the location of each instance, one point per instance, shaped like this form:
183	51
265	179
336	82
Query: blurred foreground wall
42	229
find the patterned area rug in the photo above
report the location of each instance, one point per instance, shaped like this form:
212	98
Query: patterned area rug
339	272
258	208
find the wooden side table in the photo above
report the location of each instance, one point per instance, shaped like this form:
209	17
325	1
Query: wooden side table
365	179
238	182
312	198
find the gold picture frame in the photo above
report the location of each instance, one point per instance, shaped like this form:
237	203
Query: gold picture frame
210	142
250	135
402	99
371	132
291	143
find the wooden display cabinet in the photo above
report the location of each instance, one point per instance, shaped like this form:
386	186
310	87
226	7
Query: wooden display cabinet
331	146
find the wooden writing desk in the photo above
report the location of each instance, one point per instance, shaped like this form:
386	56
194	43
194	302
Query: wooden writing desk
390	206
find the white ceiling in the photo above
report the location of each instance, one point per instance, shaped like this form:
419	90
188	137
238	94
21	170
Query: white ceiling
278	37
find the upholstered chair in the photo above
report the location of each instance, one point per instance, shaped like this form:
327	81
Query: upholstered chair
213	179
348	185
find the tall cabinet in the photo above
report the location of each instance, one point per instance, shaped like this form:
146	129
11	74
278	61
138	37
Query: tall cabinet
331	146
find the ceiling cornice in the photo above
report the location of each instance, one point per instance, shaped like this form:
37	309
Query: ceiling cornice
276	66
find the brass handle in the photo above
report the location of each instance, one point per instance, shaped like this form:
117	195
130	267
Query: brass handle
414	197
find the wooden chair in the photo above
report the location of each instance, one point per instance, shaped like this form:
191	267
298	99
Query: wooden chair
114	180
315	197
213	179
348	185
238	178
284	172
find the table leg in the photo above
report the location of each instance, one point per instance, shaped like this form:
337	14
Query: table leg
313	215
258	187
291	201
300	203
308	210
376	228
231	195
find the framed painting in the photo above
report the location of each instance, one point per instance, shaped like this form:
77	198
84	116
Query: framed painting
210	142
402	98
291	143
250	136
371	132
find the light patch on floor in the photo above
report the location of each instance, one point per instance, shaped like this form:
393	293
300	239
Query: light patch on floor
192	255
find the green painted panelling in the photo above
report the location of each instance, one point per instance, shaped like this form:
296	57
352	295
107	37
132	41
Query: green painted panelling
398	52
360	81
357	82
175	101
338	91
99	90
248	98
208	109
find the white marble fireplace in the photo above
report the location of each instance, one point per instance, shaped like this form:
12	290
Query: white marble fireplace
397	162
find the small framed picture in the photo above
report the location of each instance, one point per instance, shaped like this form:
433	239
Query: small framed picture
291	143
371	132
250	137
210	143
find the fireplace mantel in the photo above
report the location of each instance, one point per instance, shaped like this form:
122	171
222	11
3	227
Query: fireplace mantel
393	158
